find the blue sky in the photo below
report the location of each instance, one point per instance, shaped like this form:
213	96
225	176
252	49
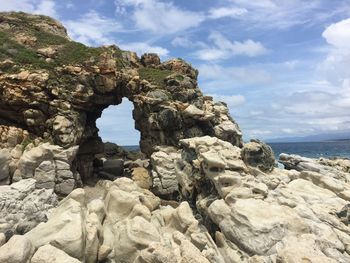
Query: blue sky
283	66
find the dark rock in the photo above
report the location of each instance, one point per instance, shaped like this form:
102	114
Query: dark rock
258	154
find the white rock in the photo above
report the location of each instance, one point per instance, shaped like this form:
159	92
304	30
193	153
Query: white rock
17	250
50	254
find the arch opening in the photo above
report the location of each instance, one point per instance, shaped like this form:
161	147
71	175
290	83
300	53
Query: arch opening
121	141
116	125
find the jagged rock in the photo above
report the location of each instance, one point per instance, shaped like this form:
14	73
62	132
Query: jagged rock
150	59
129	225
22	206
60	99
163	172
50	165
258	154
223	188
17	250
344	214
338	167
50	254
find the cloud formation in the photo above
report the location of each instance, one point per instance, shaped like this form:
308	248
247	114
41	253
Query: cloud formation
159	17
44	7
223	48
93	29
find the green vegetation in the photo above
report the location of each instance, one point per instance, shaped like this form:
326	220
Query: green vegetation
155	76
68	52
19	54
26	142
76	53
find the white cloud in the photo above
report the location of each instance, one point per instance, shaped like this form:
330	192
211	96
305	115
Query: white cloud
213	76
232	101
235	75
92	29
159	17
338	34
43	7
187	43
223	48
46	7
277	14
141	47
335	65
233	12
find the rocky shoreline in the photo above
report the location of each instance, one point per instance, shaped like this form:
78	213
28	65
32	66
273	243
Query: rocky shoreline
197	193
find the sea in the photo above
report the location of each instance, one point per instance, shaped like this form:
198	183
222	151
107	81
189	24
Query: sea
327	149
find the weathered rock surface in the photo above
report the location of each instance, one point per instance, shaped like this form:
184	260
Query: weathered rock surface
22	206
262	216
127	225
60	89
222	201
50	254
17	250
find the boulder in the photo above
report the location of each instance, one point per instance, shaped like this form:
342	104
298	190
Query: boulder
258	154
17	250
4	164
112	169
163	172
50	254
142	177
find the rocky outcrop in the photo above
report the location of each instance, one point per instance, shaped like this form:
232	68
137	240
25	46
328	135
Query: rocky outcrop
55	89
127	224
203	196
263	217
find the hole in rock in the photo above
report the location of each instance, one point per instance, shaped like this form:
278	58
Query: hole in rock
117	125
121	141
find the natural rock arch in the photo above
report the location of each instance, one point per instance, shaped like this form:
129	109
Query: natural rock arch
56	89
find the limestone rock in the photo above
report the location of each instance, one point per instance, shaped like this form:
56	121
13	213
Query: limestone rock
22	206
4	164
17	250
168	104
258	154
64	228
163	173
254	224
50	165
142	177
50	254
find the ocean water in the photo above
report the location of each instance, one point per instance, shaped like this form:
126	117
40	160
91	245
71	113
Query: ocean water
327	149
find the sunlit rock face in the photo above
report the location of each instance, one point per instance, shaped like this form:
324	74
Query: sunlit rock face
201	195
53	90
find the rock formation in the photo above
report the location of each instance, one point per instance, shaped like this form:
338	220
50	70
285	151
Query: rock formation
203	196
53	89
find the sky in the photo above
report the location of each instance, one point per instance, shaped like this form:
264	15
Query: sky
282	66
